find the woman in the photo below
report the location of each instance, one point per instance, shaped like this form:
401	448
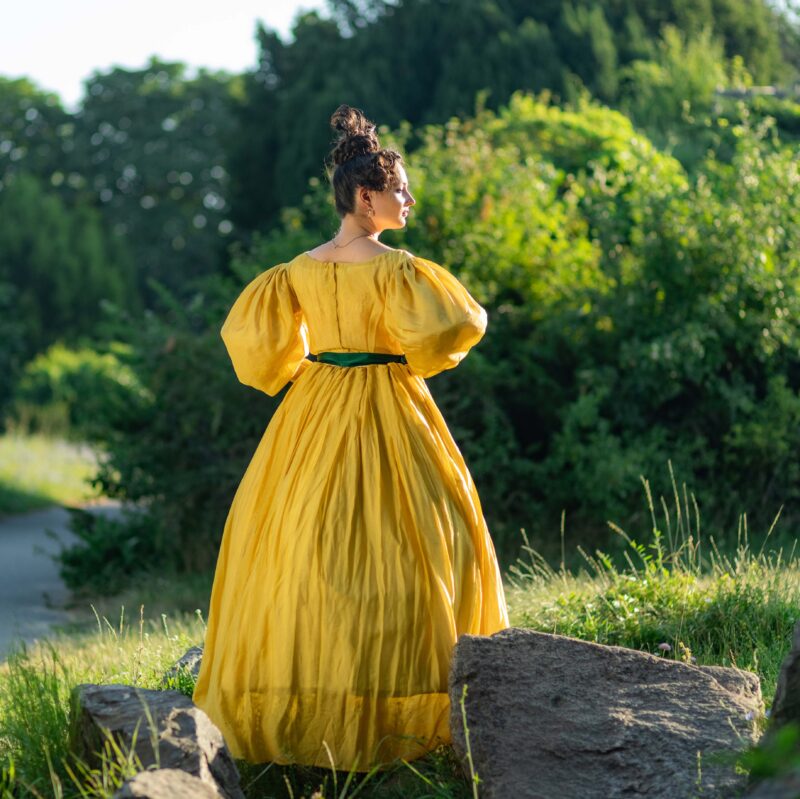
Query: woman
355	550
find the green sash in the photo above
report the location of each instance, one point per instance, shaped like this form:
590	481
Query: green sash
359	358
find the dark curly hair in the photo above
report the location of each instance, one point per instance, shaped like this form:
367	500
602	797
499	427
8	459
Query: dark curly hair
357	159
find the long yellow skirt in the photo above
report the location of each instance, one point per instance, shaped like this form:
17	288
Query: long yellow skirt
354	554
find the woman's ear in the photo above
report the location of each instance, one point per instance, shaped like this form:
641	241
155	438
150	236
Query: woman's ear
365	196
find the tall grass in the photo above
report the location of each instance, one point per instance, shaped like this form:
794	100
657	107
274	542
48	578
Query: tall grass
673	591
35	686
679	595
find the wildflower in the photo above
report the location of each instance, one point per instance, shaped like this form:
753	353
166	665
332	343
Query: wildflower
749	715
665	647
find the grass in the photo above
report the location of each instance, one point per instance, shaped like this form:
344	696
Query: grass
35	685
37	471
678	595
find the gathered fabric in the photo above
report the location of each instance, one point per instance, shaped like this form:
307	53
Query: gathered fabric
355	551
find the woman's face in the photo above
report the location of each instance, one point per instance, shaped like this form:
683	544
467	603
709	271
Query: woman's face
392	205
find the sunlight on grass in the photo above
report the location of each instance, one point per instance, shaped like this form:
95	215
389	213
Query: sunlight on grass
677	596
35	686
36	471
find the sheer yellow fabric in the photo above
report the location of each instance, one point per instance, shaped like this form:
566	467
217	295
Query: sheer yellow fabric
355	551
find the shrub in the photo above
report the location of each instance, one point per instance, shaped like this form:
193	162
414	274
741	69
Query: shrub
179	446
636	314
71	392
110	551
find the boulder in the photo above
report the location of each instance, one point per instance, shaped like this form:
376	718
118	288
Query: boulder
550	716
166	783
785	710
181	735
785	786
786	704
189	661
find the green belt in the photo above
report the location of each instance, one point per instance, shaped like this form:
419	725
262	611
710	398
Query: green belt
359	358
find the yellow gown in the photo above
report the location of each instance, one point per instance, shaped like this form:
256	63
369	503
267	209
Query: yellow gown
355	551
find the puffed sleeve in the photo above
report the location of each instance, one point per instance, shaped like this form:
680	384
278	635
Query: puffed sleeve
432	316
265	333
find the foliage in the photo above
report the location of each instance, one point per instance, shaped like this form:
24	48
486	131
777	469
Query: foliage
636	314
136	177
110	551
178	445
66	391
59	260
493	47
159	170
656	366
34	129
150	147
680	79
12	332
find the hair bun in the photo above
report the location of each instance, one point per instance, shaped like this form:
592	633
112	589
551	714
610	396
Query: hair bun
357	134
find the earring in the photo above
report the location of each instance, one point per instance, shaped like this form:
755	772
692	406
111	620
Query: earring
370	211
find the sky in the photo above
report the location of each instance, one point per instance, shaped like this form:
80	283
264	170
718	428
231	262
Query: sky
59	43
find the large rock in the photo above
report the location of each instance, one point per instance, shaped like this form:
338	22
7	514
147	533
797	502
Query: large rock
786	786
785	710
166	783
188	662
551	717
181	736
786	705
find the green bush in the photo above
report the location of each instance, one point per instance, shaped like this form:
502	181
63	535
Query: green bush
70	391
636	314
12	348
179	446
110	551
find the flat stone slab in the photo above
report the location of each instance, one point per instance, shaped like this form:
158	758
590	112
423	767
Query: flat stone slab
552	717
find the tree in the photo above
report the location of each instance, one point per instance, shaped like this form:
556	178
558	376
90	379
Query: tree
60	263
151	147
425	61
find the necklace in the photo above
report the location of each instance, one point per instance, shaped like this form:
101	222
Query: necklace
339	246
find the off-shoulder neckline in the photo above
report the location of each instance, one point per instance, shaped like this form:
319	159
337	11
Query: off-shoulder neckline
354	263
